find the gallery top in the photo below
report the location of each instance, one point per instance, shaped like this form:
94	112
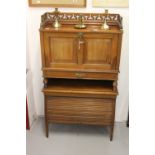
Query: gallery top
93	22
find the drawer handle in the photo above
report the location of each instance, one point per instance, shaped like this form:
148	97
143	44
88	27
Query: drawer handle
79	75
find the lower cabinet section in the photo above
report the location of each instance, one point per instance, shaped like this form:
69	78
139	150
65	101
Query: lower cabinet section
80	102
79	110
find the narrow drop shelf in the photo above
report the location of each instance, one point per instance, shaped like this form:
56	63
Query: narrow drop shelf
64	87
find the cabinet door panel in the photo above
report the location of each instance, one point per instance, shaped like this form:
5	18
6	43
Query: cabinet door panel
101	51
98	51
60	50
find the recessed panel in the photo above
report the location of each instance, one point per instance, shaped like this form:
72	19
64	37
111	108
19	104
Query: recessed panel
62	50
98	51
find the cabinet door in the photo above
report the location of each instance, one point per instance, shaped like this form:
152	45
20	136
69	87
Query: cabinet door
101	51
60	50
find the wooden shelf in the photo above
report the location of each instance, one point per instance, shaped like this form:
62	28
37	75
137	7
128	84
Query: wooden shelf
91	88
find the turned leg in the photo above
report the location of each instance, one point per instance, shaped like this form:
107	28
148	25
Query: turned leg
111	132
46	128
127	123
113	119
46	120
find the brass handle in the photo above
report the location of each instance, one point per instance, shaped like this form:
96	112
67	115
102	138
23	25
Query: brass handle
80	42
79	75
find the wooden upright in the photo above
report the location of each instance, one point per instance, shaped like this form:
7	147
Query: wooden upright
80	68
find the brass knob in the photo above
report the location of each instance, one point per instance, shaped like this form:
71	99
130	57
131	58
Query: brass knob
79	75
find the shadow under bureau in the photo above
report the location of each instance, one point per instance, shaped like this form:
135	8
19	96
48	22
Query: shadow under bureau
80	69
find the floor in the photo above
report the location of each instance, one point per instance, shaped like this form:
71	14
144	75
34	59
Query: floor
76	140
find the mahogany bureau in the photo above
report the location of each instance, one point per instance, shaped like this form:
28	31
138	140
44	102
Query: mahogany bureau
80	68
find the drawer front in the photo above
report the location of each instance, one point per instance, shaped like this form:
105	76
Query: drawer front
79	110
80	75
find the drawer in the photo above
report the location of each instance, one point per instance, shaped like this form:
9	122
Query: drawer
80	75
79	110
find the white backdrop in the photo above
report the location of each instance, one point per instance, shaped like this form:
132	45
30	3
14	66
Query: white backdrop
34	57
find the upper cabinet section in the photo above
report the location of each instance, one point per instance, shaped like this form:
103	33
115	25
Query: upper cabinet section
57	3
88	51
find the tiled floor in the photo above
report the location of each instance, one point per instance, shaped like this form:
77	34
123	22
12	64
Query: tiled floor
76	140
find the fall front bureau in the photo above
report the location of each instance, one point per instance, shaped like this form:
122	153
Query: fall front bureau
80	69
